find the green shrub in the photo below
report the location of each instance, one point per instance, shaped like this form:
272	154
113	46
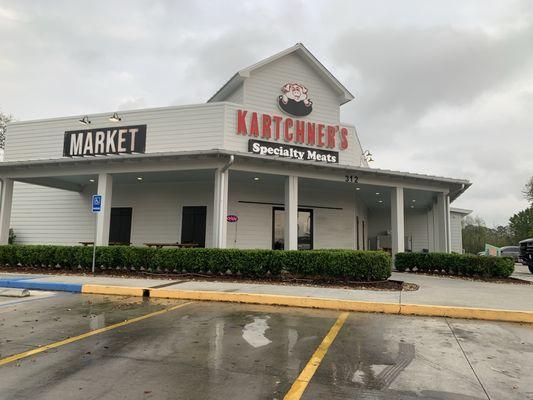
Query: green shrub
455	264
328	264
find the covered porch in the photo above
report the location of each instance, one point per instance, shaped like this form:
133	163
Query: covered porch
187	197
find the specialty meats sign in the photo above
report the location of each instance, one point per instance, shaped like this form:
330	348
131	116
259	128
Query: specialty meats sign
294	152
101	141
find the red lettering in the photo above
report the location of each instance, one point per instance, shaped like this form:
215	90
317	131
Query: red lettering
288	125
311	128
344	139
320	135
331	136
241	122
254	125
300	132
266	131
277	123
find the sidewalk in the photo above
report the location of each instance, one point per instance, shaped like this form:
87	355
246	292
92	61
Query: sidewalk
446	293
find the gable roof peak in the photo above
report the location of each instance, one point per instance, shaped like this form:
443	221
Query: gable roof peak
299	48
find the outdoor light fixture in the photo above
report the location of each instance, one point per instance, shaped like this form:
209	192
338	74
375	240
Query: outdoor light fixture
139	178
378	193
84	120
381	201
367	156
357	188
91	180
256	178
412	206
115	118
414	201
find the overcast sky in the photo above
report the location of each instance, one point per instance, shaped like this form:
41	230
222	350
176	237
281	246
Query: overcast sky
442	87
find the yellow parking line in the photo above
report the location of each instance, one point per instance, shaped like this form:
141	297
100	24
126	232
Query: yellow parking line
300	384
38	350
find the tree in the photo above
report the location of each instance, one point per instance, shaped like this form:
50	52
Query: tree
4	120
528	190
521	225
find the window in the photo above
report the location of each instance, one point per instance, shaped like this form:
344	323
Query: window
305	228
193	225
120	225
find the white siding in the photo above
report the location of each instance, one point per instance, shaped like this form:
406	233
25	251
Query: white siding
456	232
262	88
195	127
43	215
416	227
237	96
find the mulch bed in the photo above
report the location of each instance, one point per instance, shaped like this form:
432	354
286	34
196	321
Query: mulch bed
511	280
388	285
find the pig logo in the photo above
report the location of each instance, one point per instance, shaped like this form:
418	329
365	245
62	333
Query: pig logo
295	100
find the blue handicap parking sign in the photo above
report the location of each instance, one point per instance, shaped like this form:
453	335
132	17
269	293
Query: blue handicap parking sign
97	203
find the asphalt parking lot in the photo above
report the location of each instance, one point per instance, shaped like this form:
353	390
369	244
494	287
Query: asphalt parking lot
70	346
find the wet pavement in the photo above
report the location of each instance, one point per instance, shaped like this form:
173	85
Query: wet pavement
228	351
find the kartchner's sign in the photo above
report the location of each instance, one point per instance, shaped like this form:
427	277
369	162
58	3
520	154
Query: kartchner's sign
115	140
264	148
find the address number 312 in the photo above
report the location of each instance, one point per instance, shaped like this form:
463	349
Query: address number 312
351	178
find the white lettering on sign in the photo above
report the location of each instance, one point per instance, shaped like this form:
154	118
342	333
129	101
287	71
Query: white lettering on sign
294	152
128	139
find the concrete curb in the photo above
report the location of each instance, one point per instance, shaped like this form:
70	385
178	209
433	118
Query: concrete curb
320	303
32	285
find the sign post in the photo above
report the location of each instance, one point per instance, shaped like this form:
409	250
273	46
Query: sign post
96	208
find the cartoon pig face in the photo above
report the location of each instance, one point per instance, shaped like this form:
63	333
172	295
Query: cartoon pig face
295	91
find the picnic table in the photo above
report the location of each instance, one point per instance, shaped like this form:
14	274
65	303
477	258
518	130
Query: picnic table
110	243
174	244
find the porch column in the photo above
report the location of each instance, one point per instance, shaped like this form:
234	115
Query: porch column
103	218
291	213
448	226
220	209
5	209
441	224
397	221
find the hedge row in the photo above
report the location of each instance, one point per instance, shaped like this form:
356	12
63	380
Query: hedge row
339	264
455	264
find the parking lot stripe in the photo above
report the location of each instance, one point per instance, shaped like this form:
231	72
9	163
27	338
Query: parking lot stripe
300	384
54	345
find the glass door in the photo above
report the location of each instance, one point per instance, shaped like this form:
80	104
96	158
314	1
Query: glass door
305	228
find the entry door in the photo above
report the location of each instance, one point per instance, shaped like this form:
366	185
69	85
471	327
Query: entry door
120	225
305	229
193	225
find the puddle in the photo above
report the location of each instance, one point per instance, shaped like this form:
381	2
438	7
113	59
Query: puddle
254	332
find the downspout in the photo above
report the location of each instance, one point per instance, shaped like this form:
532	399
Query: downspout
230	162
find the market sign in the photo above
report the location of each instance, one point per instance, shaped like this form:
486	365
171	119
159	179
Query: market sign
264	148
101	141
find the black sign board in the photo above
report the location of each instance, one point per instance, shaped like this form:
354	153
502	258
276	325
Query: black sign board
264	148
101	141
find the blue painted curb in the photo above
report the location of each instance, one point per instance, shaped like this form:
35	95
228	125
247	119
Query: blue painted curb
52	286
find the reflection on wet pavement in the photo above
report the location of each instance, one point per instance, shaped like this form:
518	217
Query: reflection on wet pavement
230	351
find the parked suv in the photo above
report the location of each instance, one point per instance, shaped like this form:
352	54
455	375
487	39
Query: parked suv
510	251
526	253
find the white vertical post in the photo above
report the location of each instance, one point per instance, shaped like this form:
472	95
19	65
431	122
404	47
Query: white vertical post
5	209
397	221
220	209
448	226
291	213
440	223
103	218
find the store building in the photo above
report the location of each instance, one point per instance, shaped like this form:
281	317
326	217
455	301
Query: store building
265	163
